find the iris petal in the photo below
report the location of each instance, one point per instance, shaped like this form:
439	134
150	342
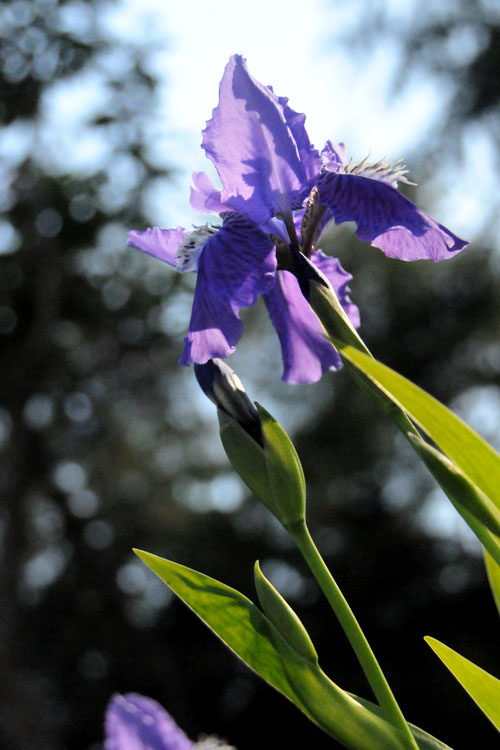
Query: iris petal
162	243
134	722
205	197
386	218
309	156
339	279
250	140
236	265
306	352
334	155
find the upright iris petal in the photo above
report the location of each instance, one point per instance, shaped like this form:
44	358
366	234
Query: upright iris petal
250	139
205	197
310	160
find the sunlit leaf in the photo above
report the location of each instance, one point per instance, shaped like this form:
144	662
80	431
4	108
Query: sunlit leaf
461	443
483	688
472	455
493	570
284	470
247	458
461	491
424	741
252	637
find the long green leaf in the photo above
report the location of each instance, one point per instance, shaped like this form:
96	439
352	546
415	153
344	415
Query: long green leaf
424	741
252	637
233	617
462	492
473	455
482	687
493	571
489	541
479	463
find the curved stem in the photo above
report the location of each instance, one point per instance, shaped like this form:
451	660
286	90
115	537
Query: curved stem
350	625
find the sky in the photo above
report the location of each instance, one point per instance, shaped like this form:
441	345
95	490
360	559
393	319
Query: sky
286	45
348	97
296	48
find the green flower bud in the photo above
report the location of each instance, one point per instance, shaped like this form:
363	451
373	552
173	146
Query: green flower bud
283	617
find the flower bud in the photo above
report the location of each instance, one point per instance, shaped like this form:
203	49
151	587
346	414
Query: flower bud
222	386
257	446
283	617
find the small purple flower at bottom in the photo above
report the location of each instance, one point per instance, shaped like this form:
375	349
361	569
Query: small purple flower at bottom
134	722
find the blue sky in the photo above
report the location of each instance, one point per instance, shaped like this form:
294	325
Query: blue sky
285	45
297	49
347	97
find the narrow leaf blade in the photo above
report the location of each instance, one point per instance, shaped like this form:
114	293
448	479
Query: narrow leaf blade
231	616
456	439
482	687
461	491
493	571
424	740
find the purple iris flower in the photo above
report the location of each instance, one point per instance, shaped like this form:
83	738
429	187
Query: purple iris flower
134	722
278	193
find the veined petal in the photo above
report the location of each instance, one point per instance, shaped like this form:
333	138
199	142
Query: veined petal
204	195
134	722
236	265
306	352
162	243
339	279
250	139
309	156
386	218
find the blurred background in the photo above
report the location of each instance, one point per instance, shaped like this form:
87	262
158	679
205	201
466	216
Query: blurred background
105	441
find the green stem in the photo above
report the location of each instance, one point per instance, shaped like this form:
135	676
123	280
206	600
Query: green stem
340	330
350	625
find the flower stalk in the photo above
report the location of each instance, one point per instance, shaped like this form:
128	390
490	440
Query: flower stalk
353	631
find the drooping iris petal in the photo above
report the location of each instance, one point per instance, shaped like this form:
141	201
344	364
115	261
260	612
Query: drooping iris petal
236	265
253	147
204	195
386	218
306	352
134	722
339	279
162	243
